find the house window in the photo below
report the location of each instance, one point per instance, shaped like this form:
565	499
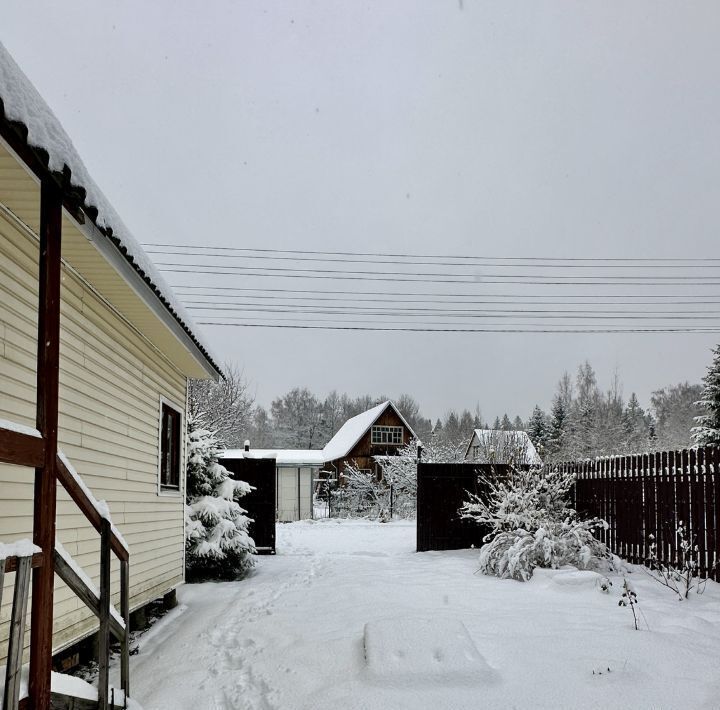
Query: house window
387	435
170	442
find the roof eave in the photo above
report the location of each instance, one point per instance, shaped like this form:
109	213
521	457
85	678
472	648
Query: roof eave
14	135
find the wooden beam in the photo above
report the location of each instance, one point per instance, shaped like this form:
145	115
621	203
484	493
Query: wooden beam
21	449
125	641
45	501
68	482
84	593
11	563
104	632
16	642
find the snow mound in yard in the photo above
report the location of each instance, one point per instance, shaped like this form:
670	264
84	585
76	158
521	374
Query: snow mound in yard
578	578
423	649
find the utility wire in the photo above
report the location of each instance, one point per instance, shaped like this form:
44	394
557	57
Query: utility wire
495	313
454	279
462	330
436	261
150	247
264	291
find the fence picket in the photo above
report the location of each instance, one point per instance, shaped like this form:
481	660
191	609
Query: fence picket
644	495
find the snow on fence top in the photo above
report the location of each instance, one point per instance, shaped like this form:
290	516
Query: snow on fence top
23	103
19	428
20	548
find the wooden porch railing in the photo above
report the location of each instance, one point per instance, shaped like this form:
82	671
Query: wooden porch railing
23	446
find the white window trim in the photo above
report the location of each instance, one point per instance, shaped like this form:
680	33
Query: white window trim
388	427
171	492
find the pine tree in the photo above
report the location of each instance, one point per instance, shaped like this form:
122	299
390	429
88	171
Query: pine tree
216	528
506	424
558	425
537	429
707	429
636	426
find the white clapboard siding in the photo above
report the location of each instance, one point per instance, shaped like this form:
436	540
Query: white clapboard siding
111	381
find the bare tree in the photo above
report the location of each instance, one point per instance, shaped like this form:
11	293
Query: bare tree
226	407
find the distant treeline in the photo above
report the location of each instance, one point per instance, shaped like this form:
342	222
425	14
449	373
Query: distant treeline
584	420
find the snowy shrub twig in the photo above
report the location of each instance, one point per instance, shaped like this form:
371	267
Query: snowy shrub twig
682	576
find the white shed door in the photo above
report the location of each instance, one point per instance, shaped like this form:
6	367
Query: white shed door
287	491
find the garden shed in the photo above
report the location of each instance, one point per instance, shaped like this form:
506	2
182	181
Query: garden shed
296	470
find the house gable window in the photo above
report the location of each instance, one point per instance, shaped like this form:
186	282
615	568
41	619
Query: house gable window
170	447
386	435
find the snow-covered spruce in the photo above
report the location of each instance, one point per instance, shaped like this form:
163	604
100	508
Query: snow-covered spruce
531	524
216	528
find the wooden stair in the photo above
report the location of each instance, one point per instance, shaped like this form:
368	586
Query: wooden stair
68	692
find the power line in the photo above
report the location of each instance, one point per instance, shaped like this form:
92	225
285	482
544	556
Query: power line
315	301
203	252
636	260
485	279
499	313
359	294
462	330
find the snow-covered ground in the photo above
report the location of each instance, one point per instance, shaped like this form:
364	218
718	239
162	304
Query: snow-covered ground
291	636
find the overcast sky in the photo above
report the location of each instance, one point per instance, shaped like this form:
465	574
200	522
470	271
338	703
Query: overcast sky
561	129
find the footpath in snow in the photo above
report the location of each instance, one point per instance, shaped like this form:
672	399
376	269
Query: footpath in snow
293	635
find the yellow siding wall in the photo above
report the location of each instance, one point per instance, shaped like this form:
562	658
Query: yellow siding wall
111	381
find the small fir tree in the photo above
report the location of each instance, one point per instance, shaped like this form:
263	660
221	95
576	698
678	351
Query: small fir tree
537	429
217	542
557	428
707	429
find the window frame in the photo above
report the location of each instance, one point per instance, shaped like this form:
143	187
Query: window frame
389	430
164	489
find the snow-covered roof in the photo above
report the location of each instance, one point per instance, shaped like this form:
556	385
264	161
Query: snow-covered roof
283	457
505	445
22	103
353	430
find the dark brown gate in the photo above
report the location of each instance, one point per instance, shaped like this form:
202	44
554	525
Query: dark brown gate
260	503
442	490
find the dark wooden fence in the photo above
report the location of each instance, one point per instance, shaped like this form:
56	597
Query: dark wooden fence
652	494
442	488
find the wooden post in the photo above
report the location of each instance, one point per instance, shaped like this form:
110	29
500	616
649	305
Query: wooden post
125	611
48	368
104	631
2	579
11	696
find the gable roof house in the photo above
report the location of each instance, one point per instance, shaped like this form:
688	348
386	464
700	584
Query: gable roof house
364	439
95	356
502	447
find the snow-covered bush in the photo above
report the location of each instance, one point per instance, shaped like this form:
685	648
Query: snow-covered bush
531	524
516	553
217	542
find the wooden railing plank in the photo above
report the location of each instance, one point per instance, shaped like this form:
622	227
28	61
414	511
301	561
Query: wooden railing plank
104	632
86	595
125	641
87	508
21	449
37	561
13	671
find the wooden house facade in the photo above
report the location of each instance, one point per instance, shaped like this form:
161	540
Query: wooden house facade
95	357
380	431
